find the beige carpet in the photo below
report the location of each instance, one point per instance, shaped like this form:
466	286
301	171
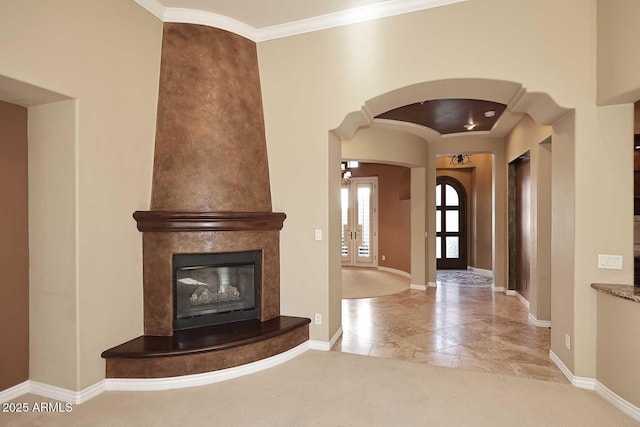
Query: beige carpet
338	389
370	283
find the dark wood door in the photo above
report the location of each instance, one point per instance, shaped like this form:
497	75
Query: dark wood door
523	226
451	224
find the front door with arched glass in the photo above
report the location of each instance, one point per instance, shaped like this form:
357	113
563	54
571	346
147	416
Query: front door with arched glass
451	230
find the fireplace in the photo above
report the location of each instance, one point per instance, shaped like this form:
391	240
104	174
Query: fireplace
215	288
211	263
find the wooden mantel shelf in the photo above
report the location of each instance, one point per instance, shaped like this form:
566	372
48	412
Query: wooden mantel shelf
177	221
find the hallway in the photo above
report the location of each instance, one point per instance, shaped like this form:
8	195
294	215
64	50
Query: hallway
463	327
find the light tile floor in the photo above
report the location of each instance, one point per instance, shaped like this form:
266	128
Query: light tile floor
453	326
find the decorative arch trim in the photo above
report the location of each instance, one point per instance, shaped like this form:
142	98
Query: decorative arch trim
538	105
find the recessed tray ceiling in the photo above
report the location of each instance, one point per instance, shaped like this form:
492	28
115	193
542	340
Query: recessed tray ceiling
448	116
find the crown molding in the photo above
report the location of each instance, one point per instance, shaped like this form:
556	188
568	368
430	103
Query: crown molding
349	16
193	16
322	22
153	7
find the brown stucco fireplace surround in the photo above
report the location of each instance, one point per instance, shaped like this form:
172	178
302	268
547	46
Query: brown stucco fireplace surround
163	352
210	195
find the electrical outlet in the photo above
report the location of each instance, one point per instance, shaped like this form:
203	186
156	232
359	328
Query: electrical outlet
567	341
318	320
384	257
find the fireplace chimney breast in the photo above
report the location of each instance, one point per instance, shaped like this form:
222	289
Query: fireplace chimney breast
210	190
210	152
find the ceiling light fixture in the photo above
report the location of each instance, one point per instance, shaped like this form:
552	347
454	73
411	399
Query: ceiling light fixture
490	113
470	126
345	167
460	159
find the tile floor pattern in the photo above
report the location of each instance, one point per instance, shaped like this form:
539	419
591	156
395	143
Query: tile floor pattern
462	278
452	326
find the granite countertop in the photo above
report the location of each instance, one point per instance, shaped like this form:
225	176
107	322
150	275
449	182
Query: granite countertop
629	292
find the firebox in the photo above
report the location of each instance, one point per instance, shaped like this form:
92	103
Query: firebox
215	288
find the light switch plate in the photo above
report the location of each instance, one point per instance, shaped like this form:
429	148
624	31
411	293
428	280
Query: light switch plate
611	262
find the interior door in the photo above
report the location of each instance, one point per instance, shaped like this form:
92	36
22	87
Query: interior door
523	226
451	230
359	222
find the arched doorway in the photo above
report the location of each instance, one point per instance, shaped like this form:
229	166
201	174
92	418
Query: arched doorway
451	230
539	106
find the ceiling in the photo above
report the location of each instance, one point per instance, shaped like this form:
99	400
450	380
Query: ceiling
448	116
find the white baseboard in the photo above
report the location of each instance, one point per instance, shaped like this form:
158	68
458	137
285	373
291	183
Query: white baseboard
510	292
53	392
481	271
433	285
626	407
64	395
495	288
601	390
15	391
539	323
418	287
153	384
335	337
395	271
324	345
580	382
523	300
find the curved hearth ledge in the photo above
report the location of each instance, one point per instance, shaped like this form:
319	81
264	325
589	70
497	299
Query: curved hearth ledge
195	380
205	349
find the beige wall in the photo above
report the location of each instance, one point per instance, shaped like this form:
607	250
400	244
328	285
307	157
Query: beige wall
542	230
618	346
106	55
333	323
53	239
14	246
563	230
604	185
388	146
314	80
483	211
618	81
618	61
418	227
394	213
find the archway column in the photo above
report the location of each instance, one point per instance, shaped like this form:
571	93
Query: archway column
430	218
418	227
500	222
